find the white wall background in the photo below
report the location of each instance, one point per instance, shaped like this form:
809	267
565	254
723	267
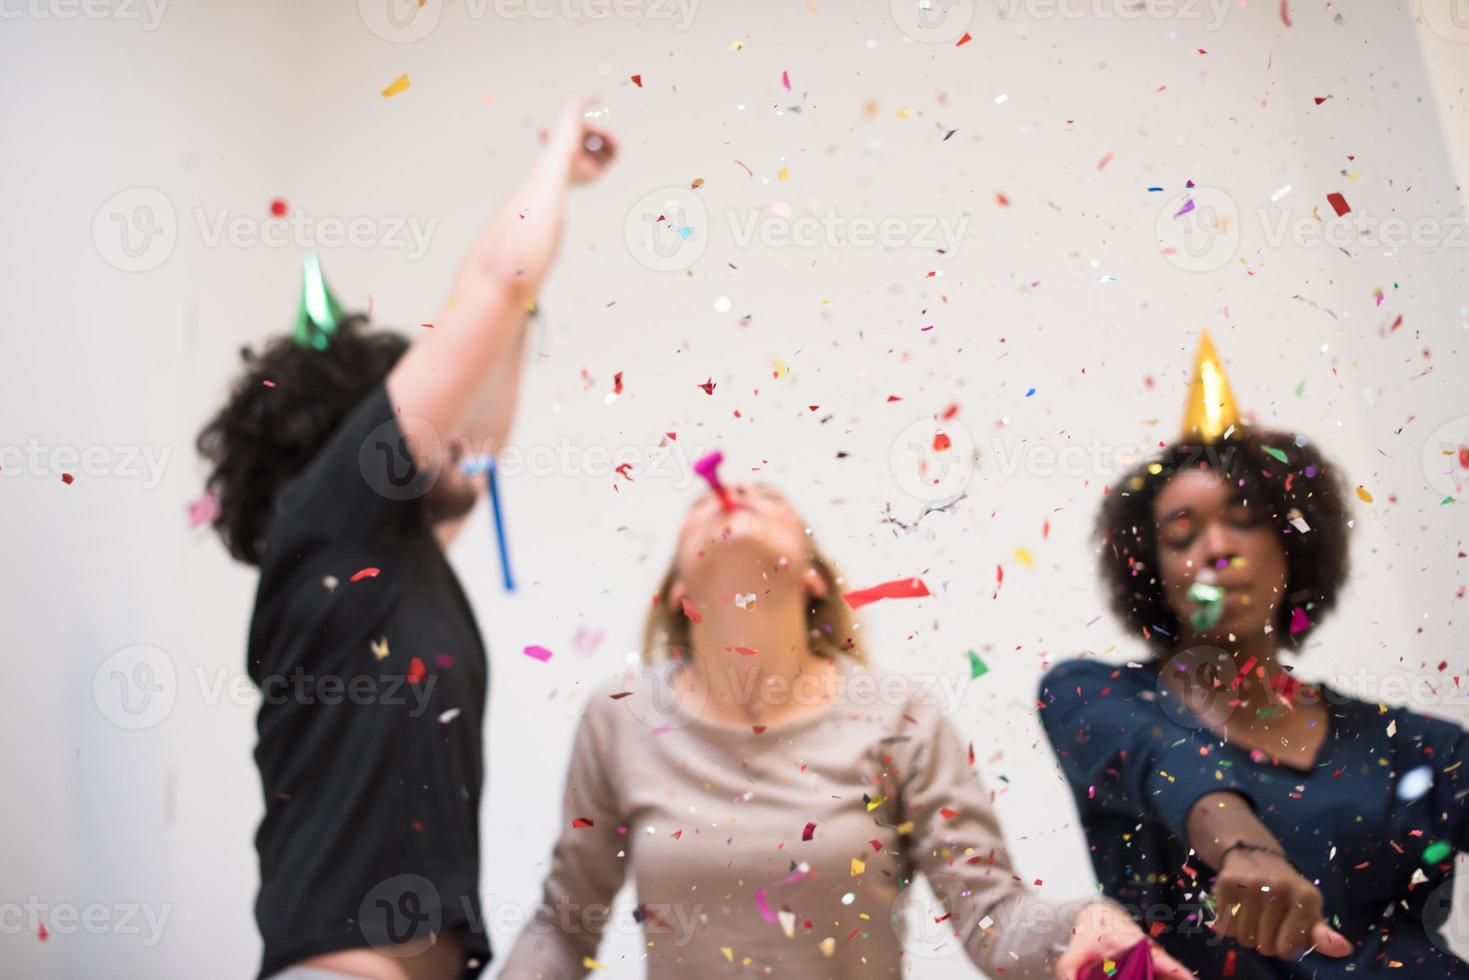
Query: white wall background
221	107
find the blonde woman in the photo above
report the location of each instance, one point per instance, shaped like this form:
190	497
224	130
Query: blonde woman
772	798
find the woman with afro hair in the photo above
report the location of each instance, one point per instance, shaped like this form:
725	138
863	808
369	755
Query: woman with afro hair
1260	827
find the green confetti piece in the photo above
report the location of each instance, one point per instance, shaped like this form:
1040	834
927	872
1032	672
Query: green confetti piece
977	667
1276	453
1300	389
1446	500
1437	851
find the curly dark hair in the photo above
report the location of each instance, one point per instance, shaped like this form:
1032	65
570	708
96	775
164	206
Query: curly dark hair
267	432
1306	487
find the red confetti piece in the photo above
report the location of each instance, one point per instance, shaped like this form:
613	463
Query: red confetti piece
1002	200
948	813
67	478
1285	18
617	383
268	383
785	79
416	671
41	932
1106	160
963	40
365	573
581	823
941	441
1339	204
747	651
809	832
759	729
538	653
691	611
950	412
903	588
876	844
620	695
637	80
278	208
708	386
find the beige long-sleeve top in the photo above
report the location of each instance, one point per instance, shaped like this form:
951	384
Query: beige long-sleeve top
787	852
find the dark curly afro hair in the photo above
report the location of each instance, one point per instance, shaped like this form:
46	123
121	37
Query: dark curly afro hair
267	432
1304	485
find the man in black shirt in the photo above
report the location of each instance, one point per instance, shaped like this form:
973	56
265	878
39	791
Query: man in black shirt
335	464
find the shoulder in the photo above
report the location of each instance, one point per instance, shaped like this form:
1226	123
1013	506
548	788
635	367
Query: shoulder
1088	675
642	697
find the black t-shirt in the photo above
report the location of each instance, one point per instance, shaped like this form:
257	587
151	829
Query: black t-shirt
373	682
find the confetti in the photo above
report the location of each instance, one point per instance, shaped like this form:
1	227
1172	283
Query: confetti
399	85
977	668
1299	621
691	611
538	653
905	588
365	573
204	510
1275	453
809	832
417	672
1415	783
1339	204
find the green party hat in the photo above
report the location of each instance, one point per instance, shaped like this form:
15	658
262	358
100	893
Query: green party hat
320	314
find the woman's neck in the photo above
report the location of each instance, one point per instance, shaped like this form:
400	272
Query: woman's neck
1255	660
757	663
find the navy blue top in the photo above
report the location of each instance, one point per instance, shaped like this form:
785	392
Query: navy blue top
1137	760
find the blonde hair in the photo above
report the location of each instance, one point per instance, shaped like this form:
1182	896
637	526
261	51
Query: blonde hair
829	620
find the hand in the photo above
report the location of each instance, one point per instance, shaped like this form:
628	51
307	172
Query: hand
1103	931
1265	905
574	143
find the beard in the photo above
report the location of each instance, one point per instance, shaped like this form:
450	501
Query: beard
451	497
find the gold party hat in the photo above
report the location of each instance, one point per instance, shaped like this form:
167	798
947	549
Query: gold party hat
1210	410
